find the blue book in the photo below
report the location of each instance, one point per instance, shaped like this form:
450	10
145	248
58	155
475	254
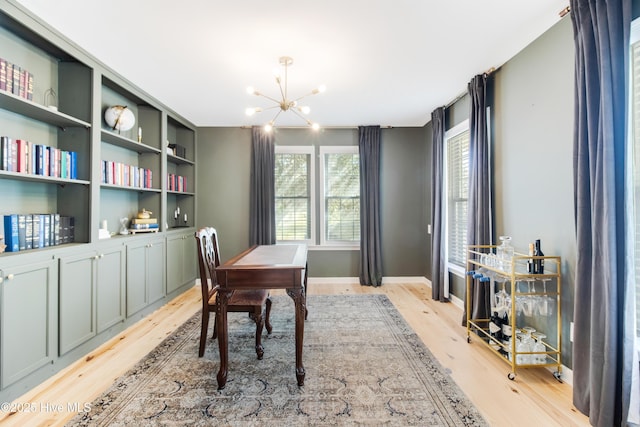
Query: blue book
74	165
11	233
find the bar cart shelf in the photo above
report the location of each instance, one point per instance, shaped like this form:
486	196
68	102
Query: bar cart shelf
531	302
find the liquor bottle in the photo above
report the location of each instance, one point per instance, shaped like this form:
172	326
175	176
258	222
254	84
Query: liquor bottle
506	333
538	265
530	260
495	326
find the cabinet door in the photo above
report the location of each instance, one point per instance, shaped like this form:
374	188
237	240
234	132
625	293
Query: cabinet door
155	270
190	264
27	319
110	288
77	307
175	255
136	278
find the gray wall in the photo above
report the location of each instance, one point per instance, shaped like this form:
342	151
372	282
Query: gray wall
533	159
223	198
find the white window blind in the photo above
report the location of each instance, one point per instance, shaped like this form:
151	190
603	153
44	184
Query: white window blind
457	194
294	193
341	195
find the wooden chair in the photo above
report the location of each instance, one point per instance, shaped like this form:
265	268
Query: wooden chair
249	301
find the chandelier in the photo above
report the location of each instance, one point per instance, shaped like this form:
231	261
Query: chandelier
285	103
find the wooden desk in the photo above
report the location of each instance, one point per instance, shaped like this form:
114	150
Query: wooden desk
264	267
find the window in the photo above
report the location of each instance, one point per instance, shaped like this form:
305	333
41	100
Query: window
340	201
294	194
457	191
635	135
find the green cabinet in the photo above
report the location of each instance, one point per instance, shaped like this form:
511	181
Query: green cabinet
145	273
28	298
91	295
181	260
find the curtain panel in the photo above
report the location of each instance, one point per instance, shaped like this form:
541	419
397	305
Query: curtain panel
439	288
480	199
370	249
604	330
262	211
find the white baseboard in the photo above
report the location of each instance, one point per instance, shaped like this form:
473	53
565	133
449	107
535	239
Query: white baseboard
567	374
356	280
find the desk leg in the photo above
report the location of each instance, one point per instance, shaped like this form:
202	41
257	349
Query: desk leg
298	296
223	337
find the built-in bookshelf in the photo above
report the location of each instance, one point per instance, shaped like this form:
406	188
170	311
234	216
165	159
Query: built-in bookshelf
69	293
130	161
180	174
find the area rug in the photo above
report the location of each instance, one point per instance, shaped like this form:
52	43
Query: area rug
364	367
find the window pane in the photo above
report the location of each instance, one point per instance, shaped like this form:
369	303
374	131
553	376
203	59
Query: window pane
292	196
457	194
342	196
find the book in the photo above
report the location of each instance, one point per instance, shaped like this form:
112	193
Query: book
9	86
46	220
28	231
144	226
22	232
11	237
55	229
3	74
144	221
5	150
35	233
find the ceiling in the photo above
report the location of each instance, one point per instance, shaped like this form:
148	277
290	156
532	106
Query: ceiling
384	62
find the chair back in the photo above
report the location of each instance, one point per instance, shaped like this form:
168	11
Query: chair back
208	260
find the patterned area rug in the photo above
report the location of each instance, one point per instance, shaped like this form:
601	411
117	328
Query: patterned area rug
364	367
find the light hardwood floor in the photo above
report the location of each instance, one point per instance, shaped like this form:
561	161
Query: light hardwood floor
535	398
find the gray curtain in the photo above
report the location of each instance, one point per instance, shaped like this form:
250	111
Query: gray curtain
480	201
370	250
604	329
262	228
438	258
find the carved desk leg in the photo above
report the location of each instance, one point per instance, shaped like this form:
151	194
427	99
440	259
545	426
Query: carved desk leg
223	336
298	296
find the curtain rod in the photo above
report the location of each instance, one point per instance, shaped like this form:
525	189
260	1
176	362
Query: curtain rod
564	12
463	94
321	128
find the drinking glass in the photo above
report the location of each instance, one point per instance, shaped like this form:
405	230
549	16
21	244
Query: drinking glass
540	358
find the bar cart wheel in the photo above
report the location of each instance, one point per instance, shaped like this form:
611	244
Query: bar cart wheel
468	339
557	375
511	376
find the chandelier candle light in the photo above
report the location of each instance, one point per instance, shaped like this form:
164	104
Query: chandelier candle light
285	104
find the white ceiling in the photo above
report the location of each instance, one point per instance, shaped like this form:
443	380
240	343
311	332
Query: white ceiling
384	62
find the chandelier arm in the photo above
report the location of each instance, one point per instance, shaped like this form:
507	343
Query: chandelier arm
273	121
304	96
270	98
301	116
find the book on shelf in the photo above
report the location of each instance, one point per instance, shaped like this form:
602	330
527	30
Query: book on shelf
144	226
11	237
144	221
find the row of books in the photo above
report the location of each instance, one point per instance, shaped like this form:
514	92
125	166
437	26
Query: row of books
176	182
16	80
19	155
34	231
126	175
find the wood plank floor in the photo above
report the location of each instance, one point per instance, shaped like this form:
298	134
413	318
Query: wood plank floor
535	398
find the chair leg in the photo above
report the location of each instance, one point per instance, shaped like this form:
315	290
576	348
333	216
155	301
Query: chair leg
215	325
203	332
267	321
256	315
